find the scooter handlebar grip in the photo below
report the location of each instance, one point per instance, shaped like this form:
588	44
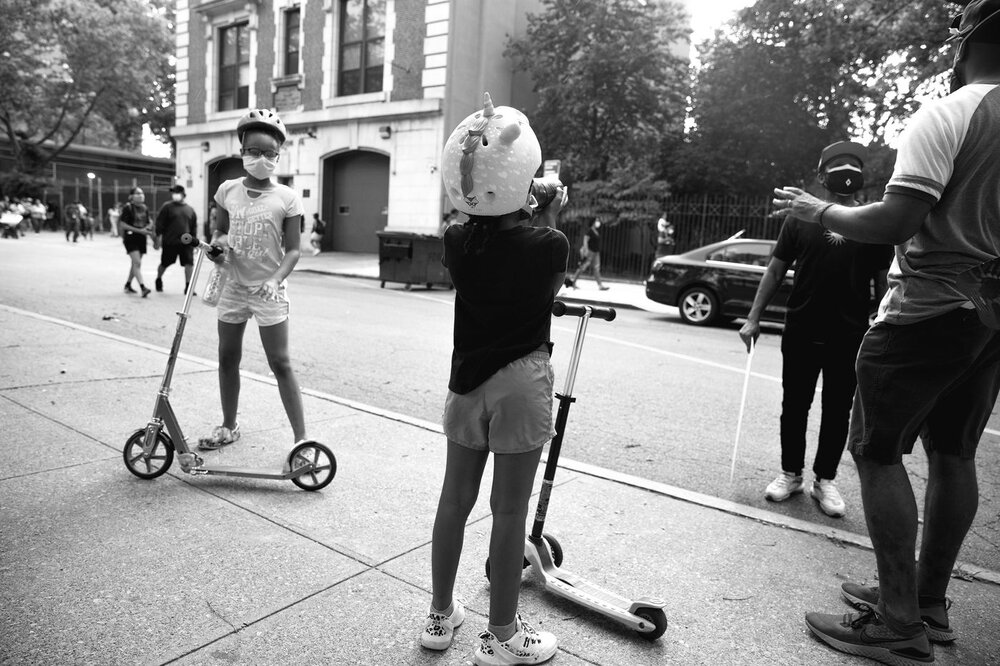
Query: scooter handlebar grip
559	308
193	241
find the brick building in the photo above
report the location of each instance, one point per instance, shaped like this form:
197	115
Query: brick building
368	89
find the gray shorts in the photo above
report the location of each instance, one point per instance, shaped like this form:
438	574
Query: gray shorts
511	412
238	303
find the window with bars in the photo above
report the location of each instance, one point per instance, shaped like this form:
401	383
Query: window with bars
234	67
362	46
292	23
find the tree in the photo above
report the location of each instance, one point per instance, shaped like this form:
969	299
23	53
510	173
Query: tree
790	76
609	87
65	62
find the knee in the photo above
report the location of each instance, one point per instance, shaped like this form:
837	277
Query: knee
507	507
229	358
280	365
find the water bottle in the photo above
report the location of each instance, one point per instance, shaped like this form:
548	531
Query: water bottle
216	282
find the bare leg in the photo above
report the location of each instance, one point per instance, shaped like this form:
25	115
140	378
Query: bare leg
462	476
135	269
275	341
950	504
513	478
891	514
230	355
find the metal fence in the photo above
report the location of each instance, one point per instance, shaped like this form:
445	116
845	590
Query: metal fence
628	229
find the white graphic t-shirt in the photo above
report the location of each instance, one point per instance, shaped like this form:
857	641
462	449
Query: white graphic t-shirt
256	228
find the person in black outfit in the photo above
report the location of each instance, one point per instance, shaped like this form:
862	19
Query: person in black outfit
175	219
135	228
590	252
827	316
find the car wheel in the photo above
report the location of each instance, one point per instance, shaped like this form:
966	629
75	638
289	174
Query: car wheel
699	306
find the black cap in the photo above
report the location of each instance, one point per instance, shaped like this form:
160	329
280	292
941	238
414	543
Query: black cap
177	189
841	148
972	18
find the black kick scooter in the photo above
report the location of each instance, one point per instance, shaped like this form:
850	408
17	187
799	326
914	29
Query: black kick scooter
645	615
149	451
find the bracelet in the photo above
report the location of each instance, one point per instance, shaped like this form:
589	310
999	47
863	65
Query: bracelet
821	213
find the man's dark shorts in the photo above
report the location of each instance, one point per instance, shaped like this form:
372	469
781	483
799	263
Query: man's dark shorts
171	253
937	378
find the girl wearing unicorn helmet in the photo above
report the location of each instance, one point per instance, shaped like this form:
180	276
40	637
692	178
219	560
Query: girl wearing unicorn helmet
506	274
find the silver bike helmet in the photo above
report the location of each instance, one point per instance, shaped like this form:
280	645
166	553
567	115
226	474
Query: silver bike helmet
261	119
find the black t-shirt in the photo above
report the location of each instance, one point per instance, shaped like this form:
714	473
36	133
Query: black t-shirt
593	240
135	214
833	278
503	301
175	219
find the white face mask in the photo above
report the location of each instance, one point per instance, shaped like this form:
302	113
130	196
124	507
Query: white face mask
177	196
260	168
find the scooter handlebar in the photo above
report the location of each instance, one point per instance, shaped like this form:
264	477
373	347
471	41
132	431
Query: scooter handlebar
559	308
193	241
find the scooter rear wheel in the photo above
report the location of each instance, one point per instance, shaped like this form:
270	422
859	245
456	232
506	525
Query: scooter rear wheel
554	546
657	618
148	466
323	460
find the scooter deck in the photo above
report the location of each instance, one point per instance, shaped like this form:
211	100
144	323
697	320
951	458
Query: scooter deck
581	591
252	472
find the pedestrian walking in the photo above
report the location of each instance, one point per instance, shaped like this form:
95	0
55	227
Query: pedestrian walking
71	222
114	214
259	225
929	366
664	236
506	274
828	312
174	219
136	228
590	253
316	235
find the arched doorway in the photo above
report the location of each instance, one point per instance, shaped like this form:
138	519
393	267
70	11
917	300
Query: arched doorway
355	200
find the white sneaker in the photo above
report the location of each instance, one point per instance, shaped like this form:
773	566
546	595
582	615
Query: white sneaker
784	486
825	492
526	646
440	629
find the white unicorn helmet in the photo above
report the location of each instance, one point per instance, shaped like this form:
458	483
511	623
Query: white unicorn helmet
489	160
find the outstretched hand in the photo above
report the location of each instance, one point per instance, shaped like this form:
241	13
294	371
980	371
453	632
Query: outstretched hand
794	202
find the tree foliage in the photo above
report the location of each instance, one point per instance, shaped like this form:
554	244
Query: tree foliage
609	87
64	63
790	76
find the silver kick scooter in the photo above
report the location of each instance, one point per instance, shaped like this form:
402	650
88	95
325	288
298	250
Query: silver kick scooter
149	451
645	615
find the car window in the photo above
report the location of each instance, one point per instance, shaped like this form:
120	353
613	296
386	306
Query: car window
751	254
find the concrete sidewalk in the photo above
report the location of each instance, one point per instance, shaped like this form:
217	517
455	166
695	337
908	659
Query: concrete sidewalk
100	567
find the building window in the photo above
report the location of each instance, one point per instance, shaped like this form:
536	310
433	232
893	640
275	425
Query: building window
362	46
292	20
234	67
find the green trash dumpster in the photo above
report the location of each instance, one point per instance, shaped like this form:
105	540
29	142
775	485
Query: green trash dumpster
412	259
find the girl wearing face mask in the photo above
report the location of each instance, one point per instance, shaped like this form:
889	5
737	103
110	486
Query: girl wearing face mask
135	228
259	223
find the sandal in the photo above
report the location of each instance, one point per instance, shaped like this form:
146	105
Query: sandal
221	436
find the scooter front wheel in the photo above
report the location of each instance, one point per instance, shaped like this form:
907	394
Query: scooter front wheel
153	464
657	618
320	457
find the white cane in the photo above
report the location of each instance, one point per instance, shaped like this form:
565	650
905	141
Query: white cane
743	405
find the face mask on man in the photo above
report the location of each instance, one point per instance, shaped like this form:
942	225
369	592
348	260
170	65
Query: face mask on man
260	168
844	180
177	197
